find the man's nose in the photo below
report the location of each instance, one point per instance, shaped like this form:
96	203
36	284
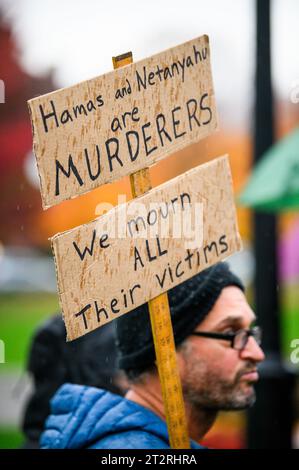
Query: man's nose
253	351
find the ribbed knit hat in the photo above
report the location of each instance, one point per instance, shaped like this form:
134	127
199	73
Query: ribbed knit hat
189	303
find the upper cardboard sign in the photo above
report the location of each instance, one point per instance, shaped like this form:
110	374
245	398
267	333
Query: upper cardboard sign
99	130
143	248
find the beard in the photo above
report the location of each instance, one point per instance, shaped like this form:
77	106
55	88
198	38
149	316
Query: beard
207	389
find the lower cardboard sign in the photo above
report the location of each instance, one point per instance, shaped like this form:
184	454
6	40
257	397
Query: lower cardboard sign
143	248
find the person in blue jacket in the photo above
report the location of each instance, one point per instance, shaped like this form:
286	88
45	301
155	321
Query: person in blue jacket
218	351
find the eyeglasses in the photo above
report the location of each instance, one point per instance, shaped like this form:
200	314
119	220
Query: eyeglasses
238	339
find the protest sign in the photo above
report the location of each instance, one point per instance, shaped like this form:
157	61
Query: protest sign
101	129
143	248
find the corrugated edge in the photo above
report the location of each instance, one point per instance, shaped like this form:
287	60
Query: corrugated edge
239	241
54	247
34	145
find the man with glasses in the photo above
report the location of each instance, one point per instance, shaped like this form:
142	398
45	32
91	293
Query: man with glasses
218	351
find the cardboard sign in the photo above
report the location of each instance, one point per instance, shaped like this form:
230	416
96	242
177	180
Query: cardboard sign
127	257
99	130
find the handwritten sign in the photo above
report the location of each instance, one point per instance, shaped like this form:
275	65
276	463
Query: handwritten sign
101	129
102	275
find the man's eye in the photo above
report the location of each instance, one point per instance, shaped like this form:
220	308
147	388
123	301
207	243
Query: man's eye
229	331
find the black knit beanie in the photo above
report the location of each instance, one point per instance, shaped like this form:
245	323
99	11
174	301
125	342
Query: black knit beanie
189	303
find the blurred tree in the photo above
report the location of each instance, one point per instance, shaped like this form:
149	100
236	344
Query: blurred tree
19	200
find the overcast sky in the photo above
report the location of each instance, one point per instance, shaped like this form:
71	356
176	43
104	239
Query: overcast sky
77	38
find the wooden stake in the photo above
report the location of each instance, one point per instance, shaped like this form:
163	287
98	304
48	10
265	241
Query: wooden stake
162	331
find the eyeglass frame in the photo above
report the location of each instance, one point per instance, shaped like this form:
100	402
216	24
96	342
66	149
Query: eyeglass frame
256	332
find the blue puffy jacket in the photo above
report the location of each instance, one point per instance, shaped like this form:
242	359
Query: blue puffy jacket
90	418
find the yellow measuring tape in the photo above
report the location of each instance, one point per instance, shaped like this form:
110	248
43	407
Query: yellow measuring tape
162	330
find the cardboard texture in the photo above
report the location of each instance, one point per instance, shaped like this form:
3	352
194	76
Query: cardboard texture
99	130
102	275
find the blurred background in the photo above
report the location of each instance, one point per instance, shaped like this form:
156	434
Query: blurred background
53	44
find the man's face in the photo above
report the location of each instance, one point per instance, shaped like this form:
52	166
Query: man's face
214	375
